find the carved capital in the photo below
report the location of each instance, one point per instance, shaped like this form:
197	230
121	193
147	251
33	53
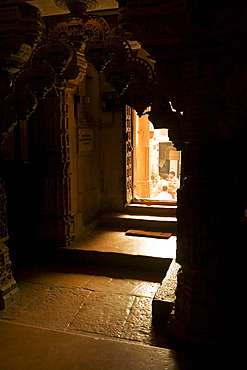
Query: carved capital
77	8
20	29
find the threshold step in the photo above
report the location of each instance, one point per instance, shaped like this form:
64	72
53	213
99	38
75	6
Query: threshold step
152	209
136	221
113	248
120	260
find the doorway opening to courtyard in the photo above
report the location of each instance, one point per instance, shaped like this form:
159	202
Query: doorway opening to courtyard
153	165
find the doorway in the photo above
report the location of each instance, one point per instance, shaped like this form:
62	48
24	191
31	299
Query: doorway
156	163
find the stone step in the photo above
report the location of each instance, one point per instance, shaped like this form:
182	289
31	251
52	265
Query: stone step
169	210
137	221
111	247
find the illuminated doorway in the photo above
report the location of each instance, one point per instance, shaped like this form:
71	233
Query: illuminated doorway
156	163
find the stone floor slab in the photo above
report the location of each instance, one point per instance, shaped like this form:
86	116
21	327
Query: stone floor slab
123	286
40	276
27	293
138	326
54	308
103	313
72	280
146	289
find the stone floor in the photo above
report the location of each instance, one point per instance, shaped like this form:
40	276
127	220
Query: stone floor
33	348
89	317
87	299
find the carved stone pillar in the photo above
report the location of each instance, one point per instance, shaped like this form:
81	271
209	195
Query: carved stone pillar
8	287
56	223
211	236
209	241
211	199
201	69
56	143
19	33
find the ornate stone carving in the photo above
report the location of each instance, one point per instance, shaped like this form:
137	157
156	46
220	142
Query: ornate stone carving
17	42
8	287
141	75
32	83
98	32
116	71
77	8
20	37
36	81
59	52
56	223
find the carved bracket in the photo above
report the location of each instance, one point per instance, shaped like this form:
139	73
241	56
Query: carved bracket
107	50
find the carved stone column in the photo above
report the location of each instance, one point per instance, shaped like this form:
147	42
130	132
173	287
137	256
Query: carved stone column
8	287
19	33
210	234
201	69
56	141
211	199
209	241
56	223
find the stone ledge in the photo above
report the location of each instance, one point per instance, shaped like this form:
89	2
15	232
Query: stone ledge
164	298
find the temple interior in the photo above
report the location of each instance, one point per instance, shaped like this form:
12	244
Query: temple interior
123	190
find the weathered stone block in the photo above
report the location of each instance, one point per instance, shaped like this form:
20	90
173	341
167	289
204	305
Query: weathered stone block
164	298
